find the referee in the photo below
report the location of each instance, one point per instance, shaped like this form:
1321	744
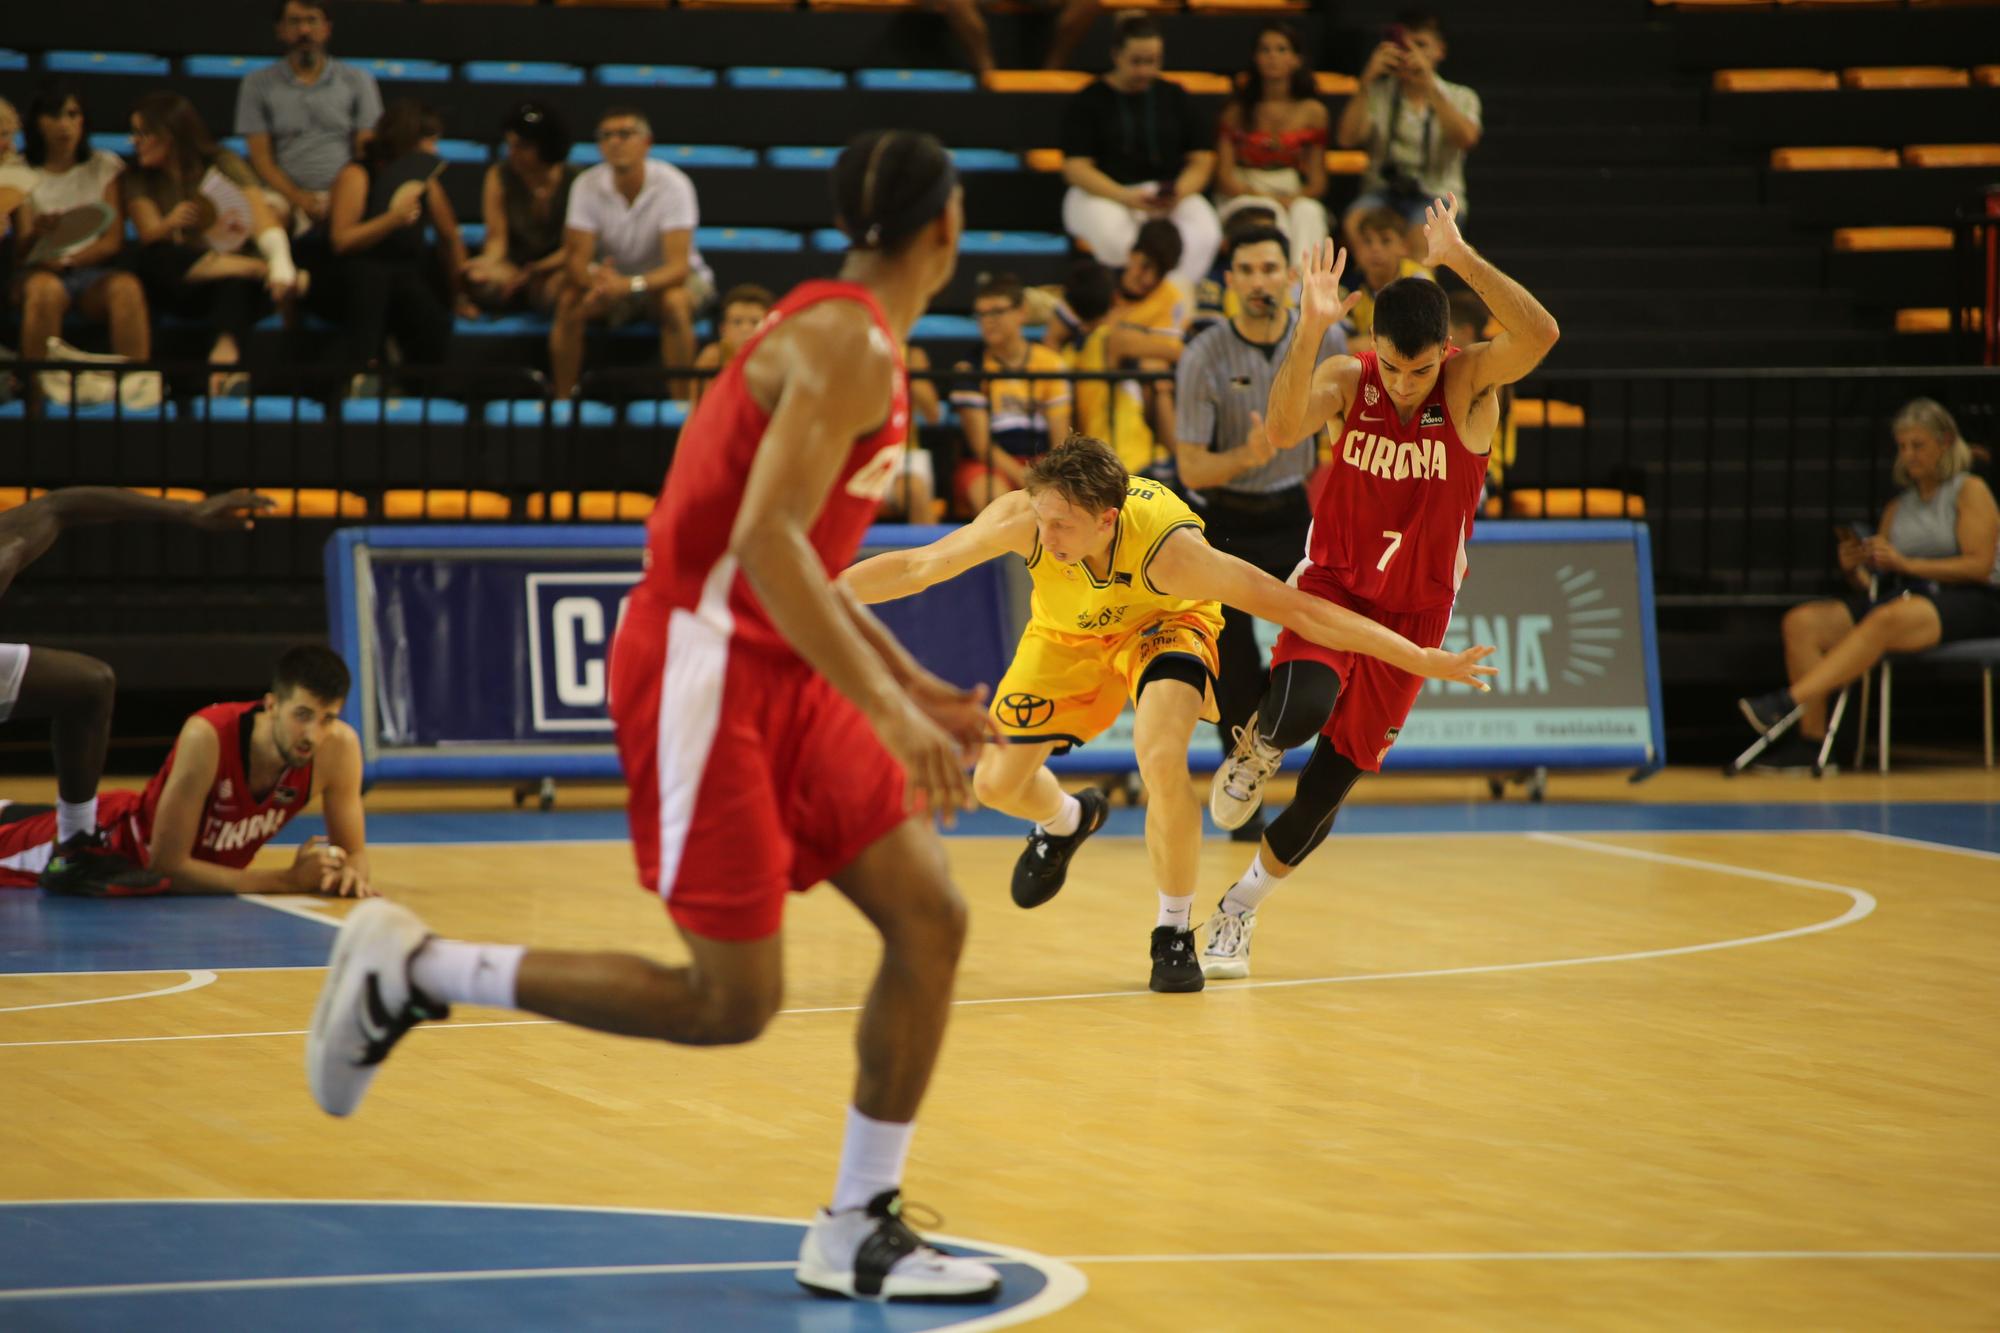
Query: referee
1250	490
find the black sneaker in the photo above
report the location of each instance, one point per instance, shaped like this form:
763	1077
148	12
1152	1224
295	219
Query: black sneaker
84	867
1792	754
1044	862
1176	963
1769	713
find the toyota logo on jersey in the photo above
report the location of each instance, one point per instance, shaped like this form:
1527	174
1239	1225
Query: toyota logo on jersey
1024	710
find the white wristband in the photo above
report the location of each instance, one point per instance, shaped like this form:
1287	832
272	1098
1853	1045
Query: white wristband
277	251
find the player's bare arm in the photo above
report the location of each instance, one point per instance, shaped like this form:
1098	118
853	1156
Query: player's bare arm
177	823
1006	525
962	713
827	374
1187	566
1527	329
347	872
27	531
1307	393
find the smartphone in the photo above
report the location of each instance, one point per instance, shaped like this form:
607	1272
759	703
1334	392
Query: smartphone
1854	530
1398	34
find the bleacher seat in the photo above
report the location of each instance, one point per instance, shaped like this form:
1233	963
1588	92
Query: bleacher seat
222	67
591	506
515	324
312	502
801	158
1834	159
450	506
115	144
1200	82
463	150
1935	319
686	156
519	412
915	80
1248	6
1552	414
1574	502
392	70
663	412
791	78
1346	161
653	76
550	72
1037	80
1776	81
985	159
107	62
13	497
267	409
1870	239
1905	76
1333	84
946	328
12	62
759	240
1013	243
1953	155
186	495
403	411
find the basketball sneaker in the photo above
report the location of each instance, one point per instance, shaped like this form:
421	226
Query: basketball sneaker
1044	863
86	867
1226	957
1238	787
1770	714
367	1003
870	1254
1175	967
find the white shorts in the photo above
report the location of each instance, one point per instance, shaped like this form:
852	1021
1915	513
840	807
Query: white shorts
13	669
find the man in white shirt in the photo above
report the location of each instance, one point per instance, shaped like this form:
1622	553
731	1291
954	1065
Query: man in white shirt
629	251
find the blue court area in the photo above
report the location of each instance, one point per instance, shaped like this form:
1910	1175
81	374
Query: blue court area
303	1266
39	933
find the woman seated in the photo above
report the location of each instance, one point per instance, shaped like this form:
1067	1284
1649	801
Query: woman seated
1271	153
1930	576
524	202
210	245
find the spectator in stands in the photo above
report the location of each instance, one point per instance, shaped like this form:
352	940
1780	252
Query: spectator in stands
16	176
1381	255
392	283
1416	127
912	497
1113	411
1007	421
1469	321
1135	148
73	178
308	115
523	203
1271	152
210	244
743	308
969	26
629	246
1930	576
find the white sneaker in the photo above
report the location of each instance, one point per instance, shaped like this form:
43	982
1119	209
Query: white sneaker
1227	955
870	1254
1238	788
367	1003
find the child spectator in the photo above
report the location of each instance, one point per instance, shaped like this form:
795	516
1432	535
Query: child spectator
1381	255
1007	421
743	309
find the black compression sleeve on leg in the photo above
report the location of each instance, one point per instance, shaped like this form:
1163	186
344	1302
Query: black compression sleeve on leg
1328	776
1298	703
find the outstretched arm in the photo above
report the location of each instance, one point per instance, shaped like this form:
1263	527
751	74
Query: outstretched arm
1187	566
1008	524
27	531
1307	393
1527	330
348	873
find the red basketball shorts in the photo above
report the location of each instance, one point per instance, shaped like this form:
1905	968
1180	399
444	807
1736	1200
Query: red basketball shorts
26	844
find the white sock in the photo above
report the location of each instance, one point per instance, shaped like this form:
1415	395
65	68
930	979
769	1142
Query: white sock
1067	821
74	817
1253	888
1174	912
871	1160
455	972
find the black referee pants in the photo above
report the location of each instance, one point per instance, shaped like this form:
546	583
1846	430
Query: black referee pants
1268	531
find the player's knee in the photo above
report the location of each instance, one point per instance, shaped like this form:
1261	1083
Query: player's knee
993	781
96	681
738	1011
935	922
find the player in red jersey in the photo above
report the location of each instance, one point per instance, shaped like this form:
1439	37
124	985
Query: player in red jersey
237	774
765	723
1413	422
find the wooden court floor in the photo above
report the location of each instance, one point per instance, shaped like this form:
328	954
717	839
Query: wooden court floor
1489	1081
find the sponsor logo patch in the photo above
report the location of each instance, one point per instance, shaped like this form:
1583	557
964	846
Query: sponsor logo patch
1433	416
1024	710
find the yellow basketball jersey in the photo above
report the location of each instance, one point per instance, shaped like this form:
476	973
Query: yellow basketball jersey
1070	600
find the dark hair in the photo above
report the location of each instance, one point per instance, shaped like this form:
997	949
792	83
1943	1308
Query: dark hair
1412	314
173	118
1418	19
1258	235
1132	25
325	8
1088	290
1160	241
405	123
49	100
541	127
1380	220
624	111
1082	470
1249	89
1005	285
888	185
1467	308
316	670
747	293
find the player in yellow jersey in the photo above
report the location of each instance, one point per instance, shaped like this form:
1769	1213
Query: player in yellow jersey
1127	603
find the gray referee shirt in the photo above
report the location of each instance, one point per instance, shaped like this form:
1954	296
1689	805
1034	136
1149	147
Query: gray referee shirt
1222	378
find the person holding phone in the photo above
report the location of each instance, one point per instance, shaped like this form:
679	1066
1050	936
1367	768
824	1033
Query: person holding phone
1930	576
1416	126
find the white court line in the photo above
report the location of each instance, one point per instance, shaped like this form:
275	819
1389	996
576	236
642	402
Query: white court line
195	981
1541	1256
283	1032
294	904
1897	840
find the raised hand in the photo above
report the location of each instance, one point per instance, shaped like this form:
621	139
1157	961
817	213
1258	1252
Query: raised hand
1320	302
230	512
1441	236
1461	667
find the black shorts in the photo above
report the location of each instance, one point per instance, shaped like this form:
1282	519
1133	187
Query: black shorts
1965	610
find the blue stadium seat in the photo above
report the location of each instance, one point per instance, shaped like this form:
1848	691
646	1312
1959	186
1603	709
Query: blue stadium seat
946	328
657	412
106	62
521	71
793	79
101	412
683	155
1014	243
12	62
404	411
503	326
13	411
654	76
263	409
766	240
802	159
116	144
472	233
534	411
222	67
915	80
830	241
391	70
985	159
236	144
463	150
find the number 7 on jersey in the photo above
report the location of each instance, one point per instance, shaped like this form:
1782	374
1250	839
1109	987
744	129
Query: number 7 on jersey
1395	540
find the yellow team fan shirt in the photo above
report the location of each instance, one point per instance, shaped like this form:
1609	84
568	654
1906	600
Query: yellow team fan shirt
1090	641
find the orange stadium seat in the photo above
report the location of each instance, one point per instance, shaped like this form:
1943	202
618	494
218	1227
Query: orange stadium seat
1776	80
1249	6
1862	240
184	494
1037	80
13	497
1552	413
1335	85
1953	155
1716	4
1043	159
1987	76
839	6
1574	502
1834	159
591	506
446	505
1346	161
603	4
313	502
1906	76
739	4
1934	319
1200	82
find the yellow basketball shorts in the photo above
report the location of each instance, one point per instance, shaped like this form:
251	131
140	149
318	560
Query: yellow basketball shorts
1072	687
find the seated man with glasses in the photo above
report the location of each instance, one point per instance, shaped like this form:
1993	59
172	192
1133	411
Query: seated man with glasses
1007	421
630	253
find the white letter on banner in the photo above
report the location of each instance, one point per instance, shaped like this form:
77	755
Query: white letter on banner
1531	666
574	620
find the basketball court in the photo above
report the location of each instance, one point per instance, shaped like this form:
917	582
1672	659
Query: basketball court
1693	1054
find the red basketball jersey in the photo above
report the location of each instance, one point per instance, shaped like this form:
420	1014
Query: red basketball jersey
688	566
1397	508
234	821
